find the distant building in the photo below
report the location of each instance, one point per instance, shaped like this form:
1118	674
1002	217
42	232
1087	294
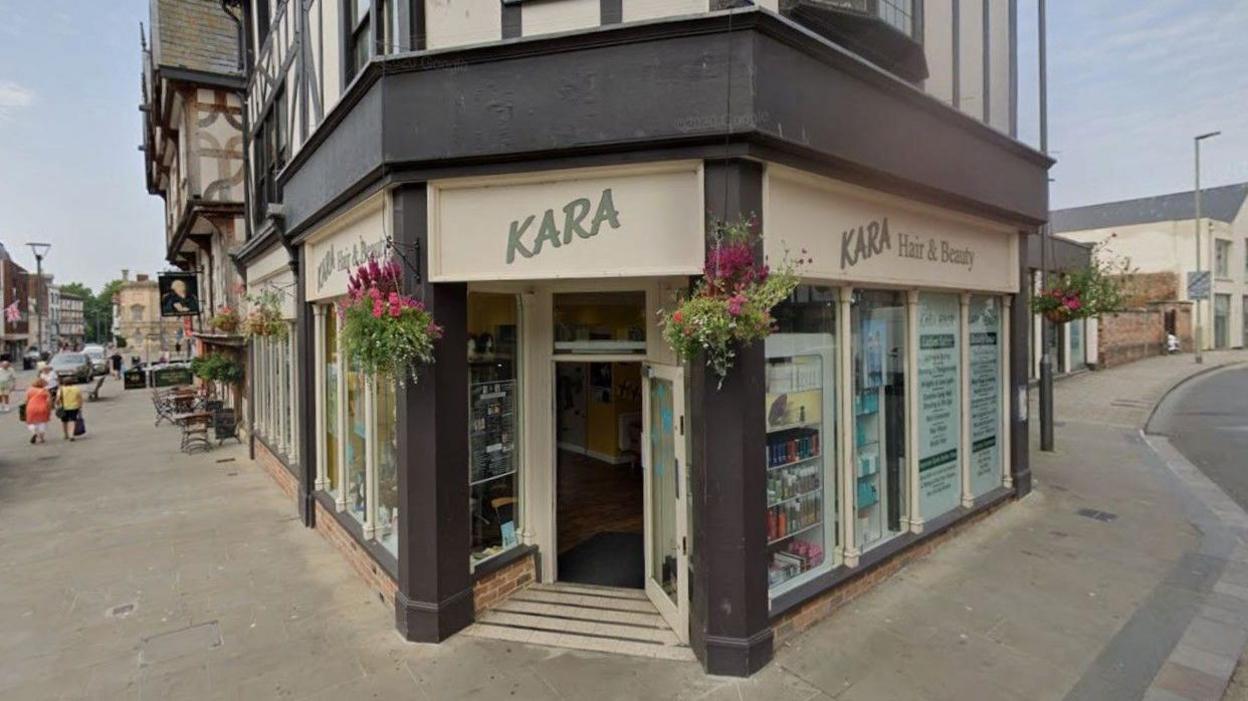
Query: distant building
14	335
137	320
1158	235
71	327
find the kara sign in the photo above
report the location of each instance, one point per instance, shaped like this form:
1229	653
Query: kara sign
857	235
595	222
345	244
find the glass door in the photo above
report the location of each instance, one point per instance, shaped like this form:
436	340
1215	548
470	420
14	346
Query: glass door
666	540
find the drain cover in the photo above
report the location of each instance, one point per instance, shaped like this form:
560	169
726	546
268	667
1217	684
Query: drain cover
121	611
167	646
1102	516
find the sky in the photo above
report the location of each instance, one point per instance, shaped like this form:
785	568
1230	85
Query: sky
1130	83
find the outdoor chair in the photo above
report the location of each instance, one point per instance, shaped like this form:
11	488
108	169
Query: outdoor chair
164	409
195	433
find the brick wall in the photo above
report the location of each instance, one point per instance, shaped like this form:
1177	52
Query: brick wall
497	586
364	565
1144	288
1135	334
272	465
820	607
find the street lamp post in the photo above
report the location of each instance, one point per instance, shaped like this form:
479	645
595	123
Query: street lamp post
1046	327
1198	340
40	250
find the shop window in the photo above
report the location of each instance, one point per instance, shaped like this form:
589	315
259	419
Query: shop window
878	325
940	403
1078	357
1221	321
802	495
386	458
493	439
330	340
985	388
356	441
600	323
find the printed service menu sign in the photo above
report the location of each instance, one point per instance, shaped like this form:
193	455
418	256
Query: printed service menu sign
985	376
939	421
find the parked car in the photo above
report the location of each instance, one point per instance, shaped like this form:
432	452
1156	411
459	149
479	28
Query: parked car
99	362
72	367
31	358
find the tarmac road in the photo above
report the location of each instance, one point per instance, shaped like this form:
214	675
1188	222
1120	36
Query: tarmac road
1207	421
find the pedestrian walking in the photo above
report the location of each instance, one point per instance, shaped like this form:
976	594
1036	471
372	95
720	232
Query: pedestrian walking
69	408
115	359
38	410
8	381
50	379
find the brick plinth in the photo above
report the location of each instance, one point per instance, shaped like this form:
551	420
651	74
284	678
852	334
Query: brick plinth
277	470
497	586
364	565
1134	334
824	605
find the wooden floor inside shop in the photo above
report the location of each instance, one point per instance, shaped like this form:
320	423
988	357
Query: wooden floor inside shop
596	497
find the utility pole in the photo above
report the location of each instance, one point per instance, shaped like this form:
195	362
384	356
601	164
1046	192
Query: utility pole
1046	327
1198	339
40	250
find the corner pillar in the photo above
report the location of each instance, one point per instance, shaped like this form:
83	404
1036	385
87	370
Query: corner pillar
1020	341
730	627
434	598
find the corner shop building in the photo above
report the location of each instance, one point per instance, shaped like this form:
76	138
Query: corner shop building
556	439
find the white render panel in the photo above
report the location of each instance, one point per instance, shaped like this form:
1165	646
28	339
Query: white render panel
635	10
551	16
971	58
331	60
460	22
1001	107
938	46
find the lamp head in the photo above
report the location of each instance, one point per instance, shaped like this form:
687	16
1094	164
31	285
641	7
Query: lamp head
1210	135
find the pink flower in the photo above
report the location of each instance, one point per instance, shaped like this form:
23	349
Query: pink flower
735	303
396	310
378	308
677	317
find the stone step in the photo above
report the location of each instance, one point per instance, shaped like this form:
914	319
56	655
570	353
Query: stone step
558	624
593	590
595	601
541	608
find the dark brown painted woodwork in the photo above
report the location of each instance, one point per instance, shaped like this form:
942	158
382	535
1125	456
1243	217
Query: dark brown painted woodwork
730	629
434	598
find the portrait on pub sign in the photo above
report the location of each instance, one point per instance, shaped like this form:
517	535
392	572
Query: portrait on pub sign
179	294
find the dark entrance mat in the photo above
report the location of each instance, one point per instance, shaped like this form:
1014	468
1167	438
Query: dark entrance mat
606	559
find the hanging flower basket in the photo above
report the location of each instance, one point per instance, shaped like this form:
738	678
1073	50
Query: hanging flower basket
226	321
1088	292
265	318
731	305
387	332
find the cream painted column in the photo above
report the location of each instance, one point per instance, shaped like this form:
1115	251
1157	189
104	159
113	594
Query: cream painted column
1006	393
370	464
964	386
915	523
343	369
538	428
845	428
318	394
527	365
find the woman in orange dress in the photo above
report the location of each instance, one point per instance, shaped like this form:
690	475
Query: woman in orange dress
38	410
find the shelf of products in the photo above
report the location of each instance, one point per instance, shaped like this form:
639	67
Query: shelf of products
795	462
869	480
491	433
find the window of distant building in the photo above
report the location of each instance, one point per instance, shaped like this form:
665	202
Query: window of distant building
136	312
1222	258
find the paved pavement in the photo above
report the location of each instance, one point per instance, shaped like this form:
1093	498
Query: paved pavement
128	570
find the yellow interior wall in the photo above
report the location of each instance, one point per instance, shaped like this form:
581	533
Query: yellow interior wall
603	421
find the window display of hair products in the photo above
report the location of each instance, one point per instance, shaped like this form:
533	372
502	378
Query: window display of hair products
493	440
878	325
801	438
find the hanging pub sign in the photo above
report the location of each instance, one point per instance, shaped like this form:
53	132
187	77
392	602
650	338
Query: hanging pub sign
179	294
940	404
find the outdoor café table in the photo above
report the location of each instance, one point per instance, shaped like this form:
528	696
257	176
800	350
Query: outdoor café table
195	426
183	402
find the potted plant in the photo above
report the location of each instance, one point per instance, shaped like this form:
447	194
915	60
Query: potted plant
226	320
388	332
731	305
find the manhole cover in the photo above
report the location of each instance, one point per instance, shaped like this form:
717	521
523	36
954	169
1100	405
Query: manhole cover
1102	516
121	611
167	646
